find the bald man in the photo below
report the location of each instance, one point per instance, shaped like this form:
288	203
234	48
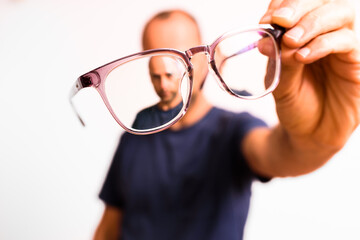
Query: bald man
165	74
193	181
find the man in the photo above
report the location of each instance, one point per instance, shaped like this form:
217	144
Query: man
193	181
165	75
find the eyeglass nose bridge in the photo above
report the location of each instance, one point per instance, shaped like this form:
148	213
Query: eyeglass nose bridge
199	49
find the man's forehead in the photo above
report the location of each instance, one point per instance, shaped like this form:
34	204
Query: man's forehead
164	64
178	32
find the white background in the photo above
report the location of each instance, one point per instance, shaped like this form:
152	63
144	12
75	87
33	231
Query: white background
51	168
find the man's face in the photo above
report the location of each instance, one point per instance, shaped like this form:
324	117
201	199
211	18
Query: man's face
165	75
181	33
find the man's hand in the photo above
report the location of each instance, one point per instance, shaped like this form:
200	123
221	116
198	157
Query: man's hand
318	97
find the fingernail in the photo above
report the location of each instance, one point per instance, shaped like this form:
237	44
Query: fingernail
265	19
285	12
295	33
304	52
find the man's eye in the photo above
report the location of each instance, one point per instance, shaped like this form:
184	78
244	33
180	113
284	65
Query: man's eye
169	75
155	77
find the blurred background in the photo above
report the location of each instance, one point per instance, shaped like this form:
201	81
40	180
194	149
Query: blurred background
51	168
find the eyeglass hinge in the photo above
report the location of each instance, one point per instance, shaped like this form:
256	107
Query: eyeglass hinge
278	31
85	81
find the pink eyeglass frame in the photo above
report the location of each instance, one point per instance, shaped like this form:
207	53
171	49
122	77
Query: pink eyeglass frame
96	78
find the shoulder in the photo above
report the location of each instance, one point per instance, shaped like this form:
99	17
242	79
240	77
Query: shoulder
147	111
127	142
143	118
237	117
239	123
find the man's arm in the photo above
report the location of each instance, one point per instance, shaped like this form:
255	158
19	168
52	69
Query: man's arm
272	153
110	224
318	98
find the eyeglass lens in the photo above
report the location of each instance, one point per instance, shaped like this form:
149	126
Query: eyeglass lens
147	92
246	62
151	91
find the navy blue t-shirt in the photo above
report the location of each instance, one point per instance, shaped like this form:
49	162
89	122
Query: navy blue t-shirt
153	116
188	184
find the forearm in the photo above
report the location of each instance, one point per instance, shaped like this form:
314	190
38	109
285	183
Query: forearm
103	233
109	227
275	153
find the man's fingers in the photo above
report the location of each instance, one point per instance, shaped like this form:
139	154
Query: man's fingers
289	12
327	18
341	41
274	4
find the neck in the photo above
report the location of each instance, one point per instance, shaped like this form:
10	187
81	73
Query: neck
198	108
165	106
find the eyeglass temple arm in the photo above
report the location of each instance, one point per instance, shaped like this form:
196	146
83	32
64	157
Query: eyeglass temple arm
245	49
277	32
81	82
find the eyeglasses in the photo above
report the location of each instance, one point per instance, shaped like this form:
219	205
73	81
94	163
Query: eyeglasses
149	91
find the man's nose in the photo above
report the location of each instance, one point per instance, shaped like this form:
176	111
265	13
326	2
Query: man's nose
164	83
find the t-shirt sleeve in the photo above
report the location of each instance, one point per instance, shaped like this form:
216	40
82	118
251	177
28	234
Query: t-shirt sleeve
110	192
249	123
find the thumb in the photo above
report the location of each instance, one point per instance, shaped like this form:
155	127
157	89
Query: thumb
291	74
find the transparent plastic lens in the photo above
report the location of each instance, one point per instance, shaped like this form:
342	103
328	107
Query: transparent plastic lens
148	92
247	63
